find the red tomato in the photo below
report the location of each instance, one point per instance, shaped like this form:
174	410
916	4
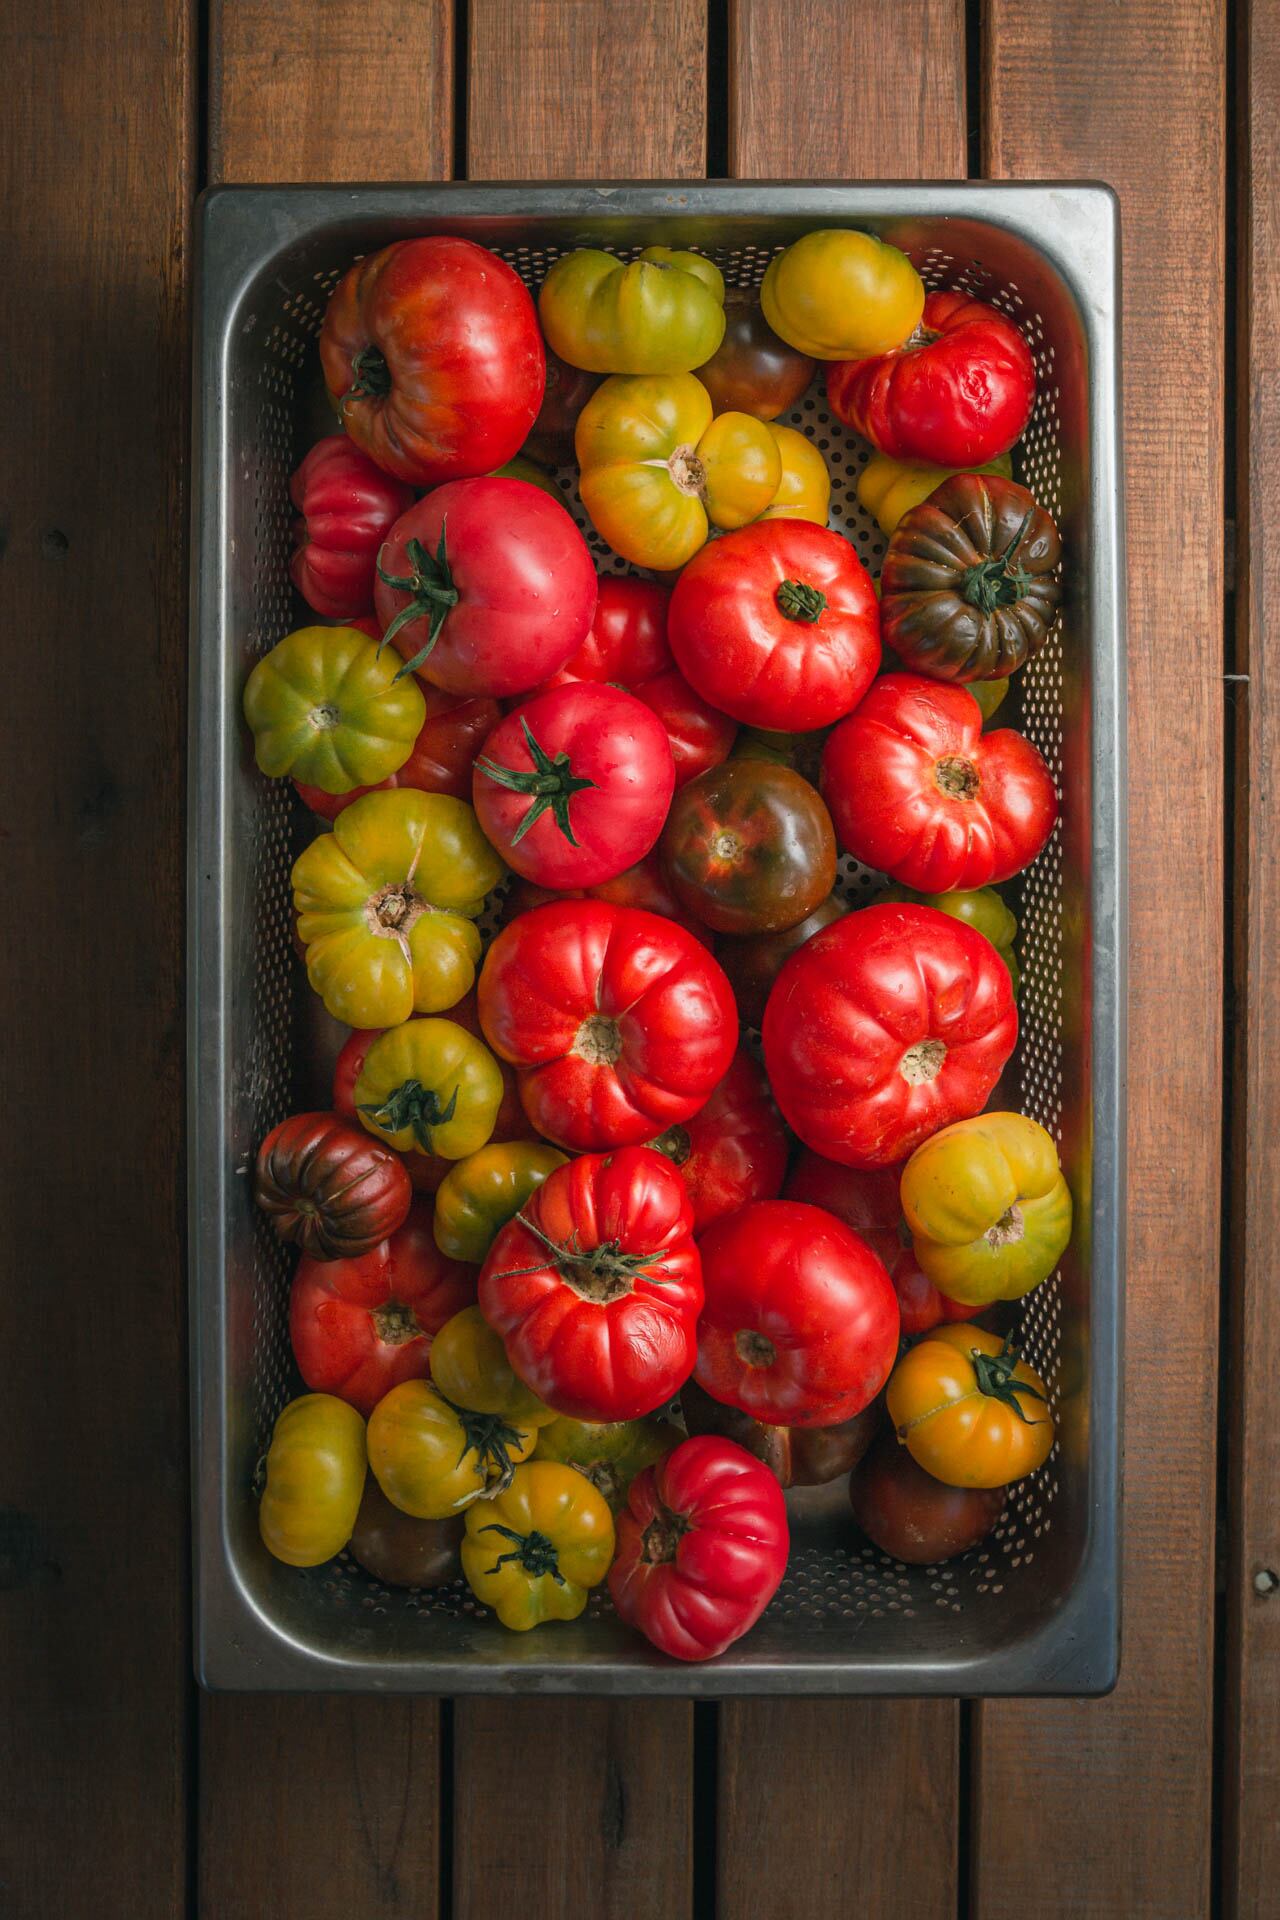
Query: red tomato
702	1547
443	754
567	392
957	394
432	353
644	885
753	961
701	736
496	603
573	787
345	504
800	1325
329	1187
360	1327
919	791
618	1022
866	1199
778	625
911	1516
734	1150
596	1286
884	1027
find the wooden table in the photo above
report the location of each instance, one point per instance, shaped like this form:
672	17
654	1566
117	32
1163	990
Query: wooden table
124	1790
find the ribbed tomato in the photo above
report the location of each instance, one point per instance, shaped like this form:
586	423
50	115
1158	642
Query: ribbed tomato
644	885
345	505
734	1150
455	729
330	1188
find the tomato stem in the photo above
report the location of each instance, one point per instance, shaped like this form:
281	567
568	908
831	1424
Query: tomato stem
551	782
600	1274
997	581
797	600
371	375
412	1105
432	595
994	1375
490	1438
534	1551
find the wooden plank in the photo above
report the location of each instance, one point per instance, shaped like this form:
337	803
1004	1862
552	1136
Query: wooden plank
1251	1759
1061	99
816	1797
573	90
96	160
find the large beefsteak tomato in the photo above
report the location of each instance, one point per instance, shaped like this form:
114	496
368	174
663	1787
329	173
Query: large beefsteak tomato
345	506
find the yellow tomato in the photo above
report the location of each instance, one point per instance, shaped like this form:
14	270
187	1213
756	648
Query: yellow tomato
429	1086
968	1410
988	1208
663	313
469	1366
889	488
840	295
432	1459
325	706
533	1552
804	491
315	1477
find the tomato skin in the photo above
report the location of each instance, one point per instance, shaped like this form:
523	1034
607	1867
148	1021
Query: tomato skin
524	579
734	1150
566	393
432	1459
608	1453
836	293
549	1513
800	1325
644	886
324	707
981	908
890	488
749	848
401	1551
345	504
956	400
480	1194
617	1022
702	1548
804	491
741	651
429	1085
659	314
988	1208
358	1327
328	1187
593	1338
449	334
469	1366
752	370
919	791
955	1428
797	1456
315	1475
753	961
441	758
911	1516
884	1027
591	762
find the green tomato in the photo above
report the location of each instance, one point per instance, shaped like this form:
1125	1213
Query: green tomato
325	705
982	908
610	1455
480	1194
664	313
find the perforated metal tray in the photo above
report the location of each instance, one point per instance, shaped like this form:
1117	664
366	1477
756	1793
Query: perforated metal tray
1036	1608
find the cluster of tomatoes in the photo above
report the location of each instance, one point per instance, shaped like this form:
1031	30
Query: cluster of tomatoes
569	1304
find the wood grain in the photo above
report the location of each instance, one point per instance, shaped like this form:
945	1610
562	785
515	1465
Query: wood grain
578	90
96	159
1251	1756
816	1796
1055	1783
346	90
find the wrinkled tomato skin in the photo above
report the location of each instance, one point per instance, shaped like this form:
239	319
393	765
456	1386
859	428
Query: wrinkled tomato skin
749	848
734	1150
911	1516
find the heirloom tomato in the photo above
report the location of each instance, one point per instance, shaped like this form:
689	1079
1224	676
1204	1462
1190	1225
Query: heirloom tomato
429	1085
657	471
596	1286
360	1326
469	1366
532	474
749	848
440	760
958	392
919	791
328	1187
968	1410
800	1325
609	1453
752	370
981	908
884	1027
325	706
989	694
401	1551
315	1476
618	1022
797	1456
662	313
573	787
431	353
988	1208
345	505
734	1149
485	587
535	1549
911	1516
804	491
753	961
702	1548
566	393
835	293
387	904
480	1194
432	1458
890	488
699	734
777	625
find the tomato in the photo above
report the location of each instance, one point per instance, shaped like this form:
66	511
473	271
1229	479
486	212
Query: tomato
867	1200
911	1516
432	354
328	1187
432	1458
749	848
387	904
596	1286
469	1366
644	885
700	735
752	370
890	488
440	760
360	1326
481	1193
401	1551
777	625
800	1325
734	1150
657	471
834	294
797	1456
959	392
573	787
884	1027
324	706
802	752
989	694
919	791
702	1548
982	908
663	313
534	475
432	1085
804	491
534	1551
609	1453
345	505
566	393
968	1410
988	1208
618	1023
315	1475
753	961
485	587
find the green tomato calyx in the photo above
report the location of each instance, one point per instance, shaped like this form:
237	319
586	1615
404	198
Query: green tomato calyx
994	1375
999	580
797	600
412	1106
535	1553
432	596
550	782
491	1439
371	376
601	1274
